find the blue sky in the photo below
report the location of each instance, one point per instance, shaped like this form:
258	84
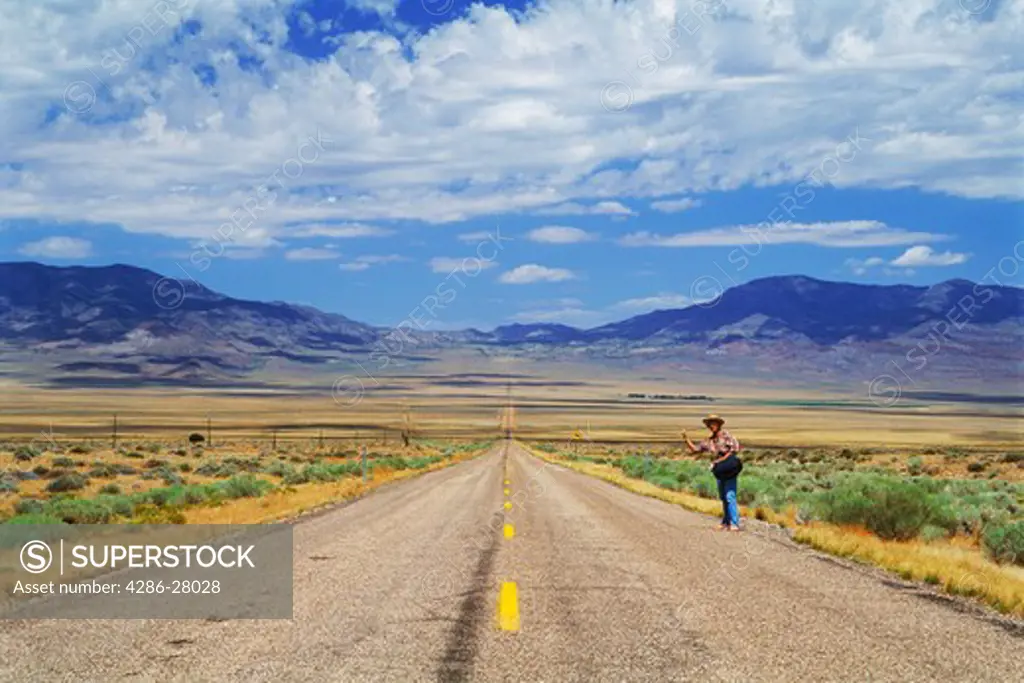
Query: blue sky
355	155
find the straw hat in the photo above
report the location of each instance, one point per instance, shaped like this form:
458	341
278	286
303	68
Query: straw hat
713	418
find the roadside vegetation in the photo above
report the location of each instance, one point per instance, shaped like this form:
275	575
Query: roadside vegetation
153	483
943	516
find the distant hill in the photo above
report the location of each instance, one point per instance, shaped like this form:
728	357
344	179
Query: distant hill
127	321
131	311
826	313
551	333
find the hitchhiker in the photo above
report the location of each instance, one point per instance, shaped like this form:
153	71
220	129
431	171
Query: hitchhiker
726	467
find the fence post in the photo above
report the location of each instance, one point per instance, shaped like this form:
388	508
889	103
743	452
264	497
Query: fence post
362	455
647	464
113	436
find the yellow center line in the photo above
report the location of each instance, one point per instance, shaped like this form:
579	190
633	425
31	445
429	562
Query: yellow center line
508	505
506	491
508	607
510	531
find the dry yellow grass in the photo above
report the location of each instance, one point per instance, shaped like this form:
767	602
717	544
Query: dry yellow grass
957	570
957	567
290	502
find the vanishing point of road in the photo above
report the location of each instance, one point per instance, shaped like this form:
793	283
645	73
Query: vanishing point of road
505	568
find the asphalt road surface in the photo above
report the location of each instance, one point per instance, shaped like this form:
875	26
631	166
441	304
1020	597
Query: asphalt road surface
404	585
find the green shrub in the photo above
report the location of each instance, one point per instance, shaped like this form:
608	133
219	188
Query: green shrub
103	472
244	464
41	470
158	497
194	495
976	467
1012	457
79	449
705	488
135	455
221	470
62	461
664	481
111	489
244	486
39	518
72	481
28	506
8	486
279	469
889	509
25	453
75	511
914	466
931	533
422	462
1005	542
122	505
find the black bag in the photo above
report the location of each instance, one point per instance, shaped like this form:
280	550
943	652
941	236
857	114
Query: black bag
729	468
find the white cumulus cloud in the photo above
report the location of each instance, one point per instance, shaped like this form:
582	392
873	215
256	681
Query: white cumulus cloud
532	272
57	248
922	255
368	261
492	111
842	234
559	234
675	205
311	254
466	264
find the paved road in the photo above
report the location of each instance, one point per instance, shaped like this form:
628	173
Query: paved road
403	586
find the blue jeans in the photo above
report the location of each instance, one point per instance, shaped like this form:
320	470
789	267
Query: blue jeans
730	509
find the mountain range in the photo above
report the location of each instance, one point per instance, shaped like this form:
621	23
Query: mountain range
130	321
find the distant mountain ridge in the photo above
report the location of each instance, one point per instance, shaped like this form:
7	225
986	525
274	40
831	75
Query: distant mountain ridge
130	317
132	311
826	313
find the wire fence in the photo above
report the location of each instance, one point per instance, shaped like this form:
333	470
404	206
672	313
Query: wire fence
121	433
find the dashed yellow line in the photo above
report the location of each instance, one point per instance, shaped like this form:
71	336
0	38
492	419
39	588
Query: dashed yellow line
508	607
508	597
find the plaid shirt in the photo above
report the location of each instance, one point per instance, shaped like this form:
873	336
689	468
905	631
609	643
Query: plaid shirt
720	445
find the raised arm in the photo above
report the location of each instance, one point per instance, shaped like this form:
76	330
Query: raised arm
689	444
